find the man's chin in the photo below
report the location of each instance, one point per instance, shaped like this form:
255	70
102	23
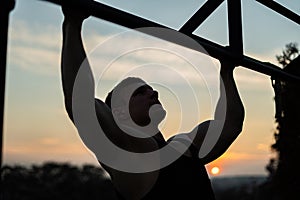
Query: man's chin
157	113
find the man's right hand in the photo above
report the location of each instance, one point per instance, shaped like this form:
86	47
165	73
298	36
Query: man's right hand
73	13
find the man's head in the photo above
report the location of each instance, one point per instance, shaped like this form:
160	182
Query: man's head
136	97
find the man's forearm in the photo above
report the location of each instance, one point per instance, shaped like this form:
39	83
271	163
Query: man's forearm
73	54
229	116
230	106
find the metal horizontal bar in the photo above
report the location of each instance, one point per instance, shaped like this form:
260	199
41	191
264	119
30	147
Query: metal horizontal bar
200	16
217	51
281	10
107	13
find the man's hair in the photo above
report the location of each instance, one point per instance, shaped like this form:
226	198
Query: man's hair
124	83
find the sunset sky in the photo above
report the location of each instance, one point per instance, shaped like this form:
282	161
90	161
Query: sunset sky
37	129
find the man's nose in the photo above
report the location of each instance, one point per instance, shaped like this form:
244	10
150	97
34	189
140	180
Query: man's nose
154	94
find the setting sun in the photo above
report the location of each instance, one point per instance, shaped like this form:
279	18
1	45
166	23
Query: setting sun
215	170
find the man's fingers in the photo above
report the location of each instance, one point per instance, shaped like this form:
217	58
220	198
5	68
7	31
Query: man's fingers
71	10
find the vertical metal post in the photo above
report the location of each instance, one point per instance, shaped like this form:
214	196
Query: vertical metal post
235	27
6	7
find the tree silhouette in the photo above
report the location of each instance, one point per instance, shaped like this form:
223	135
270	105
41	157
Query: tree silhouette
284	174
290	52
54	181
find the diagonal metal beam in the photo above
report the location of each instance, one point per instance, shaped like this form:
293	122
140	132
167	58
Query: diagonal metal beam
200	16
281	10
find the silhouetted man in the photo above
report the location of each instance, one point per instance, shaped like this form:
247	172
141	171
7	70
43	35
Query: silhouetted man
186	177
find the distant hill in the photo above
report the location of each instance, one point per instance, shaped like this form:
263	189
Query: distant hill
225	183
237	187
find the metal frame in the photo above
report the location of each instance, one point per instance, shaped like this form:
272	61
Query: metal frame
6	7
233	52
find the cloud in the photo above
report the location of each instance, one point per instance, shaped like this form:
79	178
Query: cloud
50	141
33	48
24	33
263	147
231	156
46	145
35	59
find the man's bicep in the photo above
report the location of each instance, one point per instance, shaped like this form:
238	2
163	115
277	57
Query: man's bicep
104	115
206	138
198	134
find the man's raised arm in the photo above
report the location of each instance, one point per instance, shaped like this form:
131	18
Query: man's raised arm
73	54
228	119
74	59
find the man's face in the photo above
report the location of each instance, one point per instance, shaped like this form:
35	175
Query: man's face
142	99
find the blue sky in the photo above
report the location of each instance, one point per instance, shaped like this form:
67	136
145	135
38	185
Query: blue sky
36	127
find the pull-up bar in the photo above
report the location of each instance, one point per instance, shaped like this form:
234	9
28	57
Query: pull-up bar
234	52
